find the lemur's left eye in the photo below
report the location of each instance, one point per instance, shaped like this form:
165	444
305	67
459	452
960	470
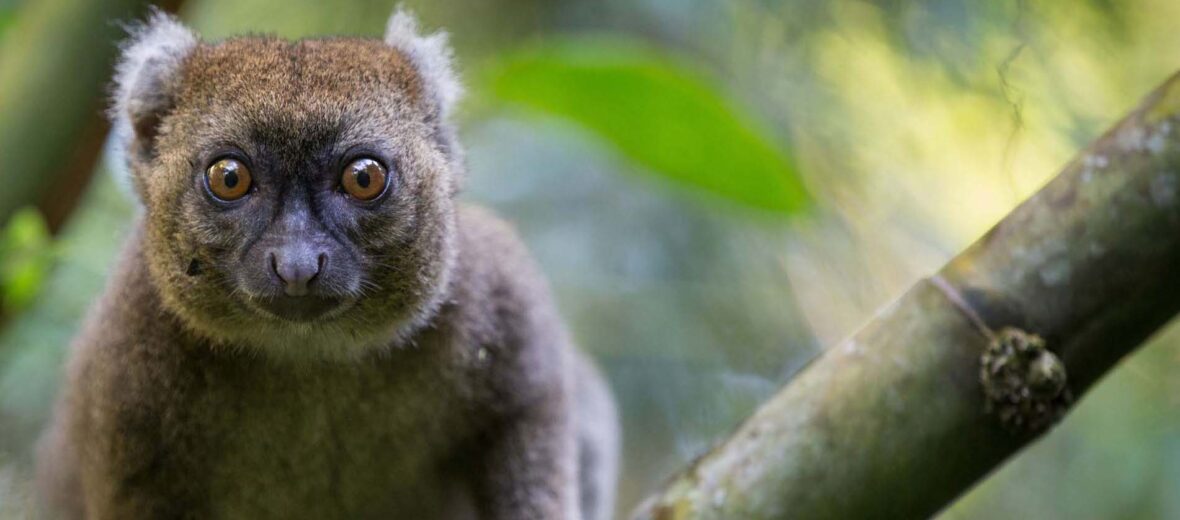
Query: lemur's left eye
364	179
228	179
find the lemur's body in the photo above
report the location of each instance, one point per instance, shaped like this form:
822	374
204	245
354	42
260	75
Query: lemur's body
297	350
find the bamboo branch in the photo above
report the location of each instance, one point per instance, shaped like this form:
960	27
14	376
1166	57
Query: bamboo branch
895	422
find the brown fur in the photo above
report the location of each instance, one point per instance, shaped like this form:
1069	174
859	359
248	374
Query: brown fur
448	389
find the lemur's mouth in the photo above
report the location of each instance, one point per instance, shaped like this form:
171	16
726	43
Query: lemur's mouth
299	309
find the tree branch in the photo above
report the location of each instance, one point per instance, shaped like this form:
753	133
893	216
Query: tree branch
892	422
53	65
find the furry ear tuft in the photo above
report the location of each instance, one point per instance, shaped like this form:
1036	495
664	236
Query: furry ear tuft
146	74
431	54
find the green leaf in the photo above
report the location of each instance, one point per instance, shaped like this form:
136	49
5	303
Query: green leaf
26	254
658	114
7	18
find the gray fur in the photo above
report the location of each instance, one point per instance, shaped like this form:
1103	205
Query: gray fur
145	76
448	389
431	55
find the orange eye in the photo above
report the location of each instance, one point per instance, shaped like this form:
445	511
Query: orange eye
228	179
364	179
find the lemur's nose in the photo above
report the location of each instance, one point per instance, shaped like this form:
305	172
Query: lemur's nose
297	267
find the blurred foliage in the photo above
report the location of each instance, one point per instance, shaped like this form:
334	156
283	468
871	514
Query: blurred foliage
54	64
656	113
26	254
7	18
8	14
476	28
32	347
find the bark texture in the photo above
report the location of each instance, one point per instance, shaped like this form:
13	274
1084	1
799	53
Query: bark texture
892	422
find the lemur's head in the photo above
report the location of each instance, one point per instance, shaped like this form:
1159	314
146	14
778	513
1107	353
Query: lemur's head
298	194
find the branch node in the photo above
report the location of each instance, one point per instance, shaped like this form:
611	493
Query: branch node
1024	382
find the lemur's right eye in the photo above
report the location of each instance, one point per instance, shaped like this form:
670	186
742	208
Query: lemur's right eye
364	179
228	179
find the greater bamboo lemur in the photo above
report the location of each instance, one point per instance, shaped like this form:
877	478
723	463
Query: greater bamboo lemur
304	323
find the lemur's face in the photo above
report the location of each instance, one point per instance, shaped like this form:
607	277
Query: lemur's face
299	194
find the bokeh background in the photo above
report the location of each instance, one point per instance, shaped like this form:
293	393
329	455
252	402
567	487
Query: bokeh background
717	190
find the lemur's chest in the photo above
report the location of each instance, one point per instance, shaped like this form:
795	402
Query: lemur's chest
365	439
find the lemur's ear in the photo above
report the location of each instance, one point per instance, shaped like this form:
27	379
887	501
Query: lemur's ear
147	75
431	55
